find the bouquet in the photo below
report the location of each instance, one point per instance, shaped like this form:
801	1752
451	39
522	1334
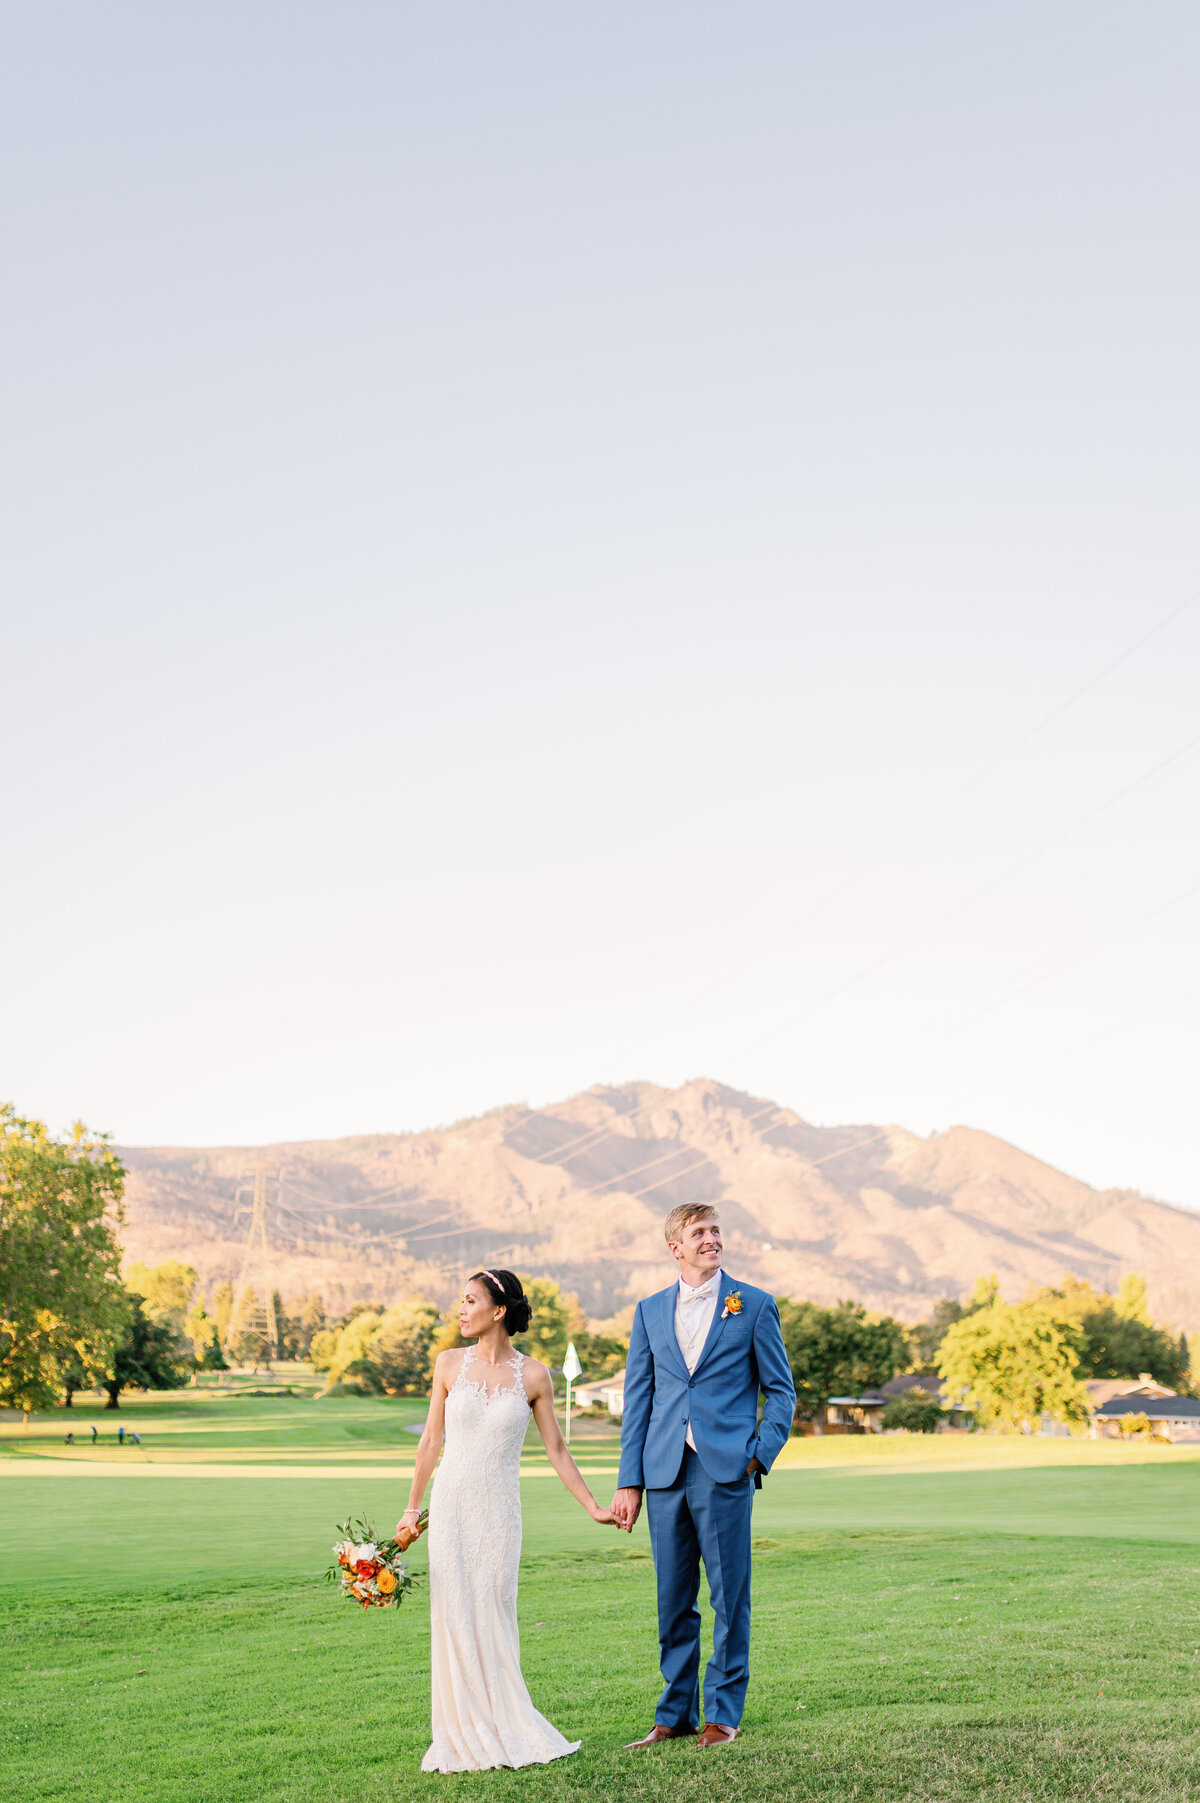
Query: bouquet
370	1571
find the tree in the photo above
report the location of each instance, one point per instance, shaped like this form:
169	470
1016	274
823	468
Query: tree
1016	1362
557	1318
167	1290
386	1353
842	1350
1131	1298
399	1348
149	1357
601	1355
253	1341
222	1308
323	1350
298	1322
927	1336
312	1320
74	1378
1118	1337
62	1307
200	1328
916	1411
211	1357
1117	1346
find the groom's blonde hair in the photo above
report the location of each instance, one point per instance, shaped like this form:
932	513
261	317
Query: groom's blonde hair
683	1216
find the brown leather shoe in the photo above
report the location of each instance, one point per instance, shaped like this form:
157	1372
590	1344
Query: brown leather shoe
657	1733
715	1734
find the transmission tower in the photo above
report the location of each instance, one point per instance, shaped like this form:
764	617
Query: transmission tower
253	1308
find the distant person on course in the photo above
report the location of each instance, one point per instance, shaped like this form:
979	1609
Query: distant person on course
692	1442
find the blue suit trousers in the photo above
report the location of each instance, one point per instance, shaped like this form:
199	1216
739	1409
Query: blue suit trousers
692	1519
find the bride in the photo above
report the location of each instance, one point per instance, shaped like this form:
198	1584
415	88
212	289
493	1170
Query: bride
482	1396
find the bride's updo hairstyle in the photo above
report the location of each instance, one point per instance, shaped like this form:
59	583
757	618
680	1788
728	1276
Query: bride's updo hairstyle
504	1288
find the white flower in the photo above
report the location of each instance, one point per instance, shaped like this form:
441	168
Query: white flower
366	1550
342	1546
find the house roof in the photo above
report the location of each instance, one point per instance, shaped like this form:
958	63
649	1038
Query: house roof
1103	1389
615	1382
1154	1408
913	1380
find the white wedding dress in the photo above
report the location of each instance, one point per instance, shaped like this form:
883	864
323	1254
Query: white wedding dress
482	1712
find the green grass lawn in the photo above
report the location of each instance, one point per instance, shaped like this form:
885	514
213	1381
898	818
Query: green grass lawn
929	1623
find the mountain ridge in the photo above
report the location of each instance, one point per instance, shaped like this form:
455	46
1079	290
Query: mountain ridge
578	1191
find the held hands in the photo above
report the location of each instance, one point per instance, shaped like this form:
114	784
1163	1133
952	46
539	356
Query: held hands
605	1518
627	1503
626	1507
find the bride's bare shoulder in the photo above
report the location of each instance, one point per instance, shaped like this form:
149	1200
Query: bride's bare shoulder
448	1363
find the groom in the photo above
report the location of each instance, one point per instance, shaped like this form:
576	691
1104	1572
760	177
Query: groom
699	1354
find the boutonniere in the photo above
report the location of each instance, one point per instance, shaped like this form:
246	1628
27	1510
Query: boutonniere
733	1304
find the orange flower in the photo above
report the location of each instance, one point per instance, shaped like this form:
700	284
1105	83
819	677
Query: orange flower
387	1582
733	1303
366	1568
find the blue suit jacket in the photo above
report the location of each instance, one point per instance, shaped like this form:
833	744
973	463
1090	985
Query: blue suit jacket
742	1355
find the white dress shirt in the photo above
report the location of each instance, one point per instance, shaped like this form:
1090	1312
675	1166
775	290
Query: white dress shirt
694	1310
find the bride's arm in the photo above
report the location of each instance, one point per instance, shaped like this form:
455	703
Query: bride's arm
541	1395
429	1446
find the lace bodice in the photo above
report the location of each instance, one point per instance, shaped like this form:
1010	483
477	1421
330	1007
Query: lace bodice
487	1415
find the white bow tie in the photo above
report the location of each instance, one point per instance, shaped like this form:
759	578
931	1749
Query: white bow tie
698	1295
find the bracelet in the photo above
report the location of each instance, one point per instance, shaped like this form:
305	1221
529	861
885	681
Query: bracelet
410	1512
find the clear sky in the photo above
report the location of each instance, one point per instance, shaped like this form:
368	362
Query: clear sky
532	529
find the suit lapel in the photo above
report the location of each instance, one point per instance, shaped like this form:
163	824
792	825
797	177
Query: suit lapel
718	1321
666	1326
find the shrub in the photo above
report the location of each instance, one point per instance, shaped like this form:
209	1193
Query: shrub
915	1410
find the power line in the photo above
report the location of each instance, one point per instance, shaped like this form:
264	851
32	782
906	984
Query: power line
1121	1026
993	883
988	1006
365	1239
400	1232
1090	684
813	1163
908	835
623	1176
590	1139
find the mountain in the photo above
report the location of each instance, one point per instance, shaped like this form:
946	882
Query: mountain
578	1191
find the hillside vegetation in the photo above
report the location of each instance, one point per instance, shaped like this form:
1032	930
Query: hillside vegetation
577	1192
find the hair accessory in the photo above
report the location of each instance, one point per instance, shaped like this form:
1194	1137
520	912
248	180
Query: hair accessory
495	1280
